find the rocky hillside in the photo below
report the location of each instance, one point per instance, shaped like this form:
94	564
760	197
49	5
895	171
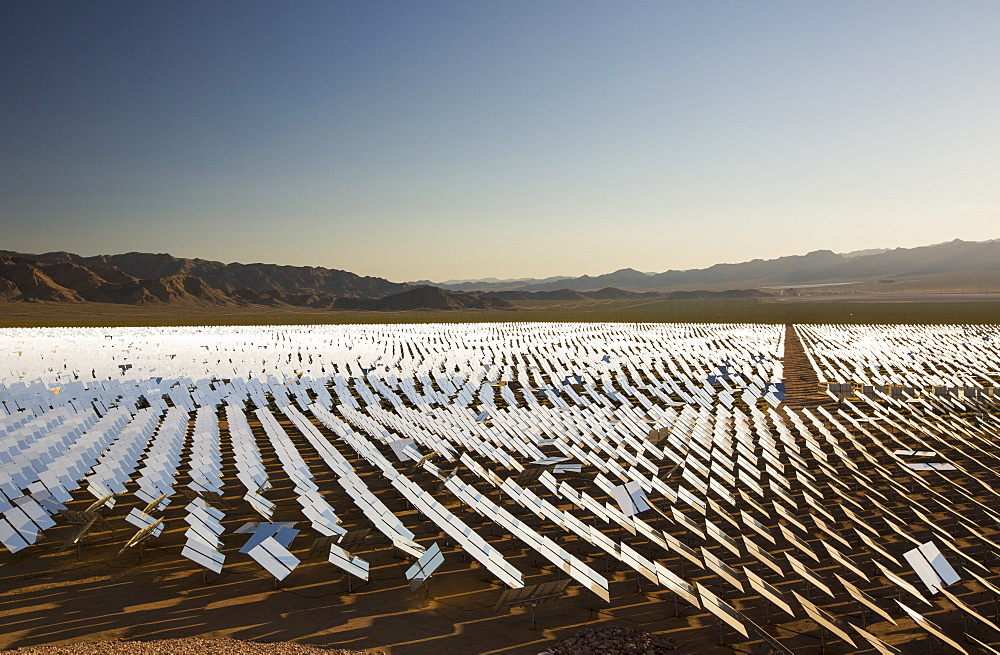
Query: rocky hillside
144	279
149	279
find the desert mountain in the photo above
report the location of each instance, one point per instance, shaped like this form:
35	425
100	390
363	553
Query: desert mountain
951	257
149	279
815	267
266	280
144	279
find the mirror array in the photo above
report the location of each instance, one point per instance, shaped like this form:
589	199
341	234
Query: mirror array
664	455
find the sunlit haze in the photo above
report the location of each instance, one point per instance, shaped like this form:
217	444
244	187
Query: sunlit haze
441	140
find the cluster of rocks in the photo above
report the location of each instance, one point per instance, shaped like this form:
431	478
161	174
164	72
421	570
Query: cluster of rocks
183	647
614	641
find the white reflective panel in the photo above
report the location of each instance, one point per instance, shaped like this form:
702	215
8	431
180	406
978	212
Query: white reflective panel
11	538
138	519
283	533
352	564
631	498
425	566
22	523
35	512
209	534
930	466
399	449
931	566
204	556
409	547
274	557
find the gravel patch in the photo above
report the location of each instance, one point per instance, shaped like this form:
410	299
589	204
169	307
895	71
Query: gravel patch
183	647
614	641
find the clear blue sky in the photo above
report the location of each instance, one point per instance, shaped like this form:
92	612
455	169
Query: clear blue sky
466	139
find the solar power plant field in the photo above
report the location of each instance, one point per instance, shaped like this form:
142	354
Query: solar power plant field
493	488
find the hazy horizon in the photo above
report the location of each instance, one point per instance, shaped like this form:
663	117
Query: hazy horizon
509	278
448	140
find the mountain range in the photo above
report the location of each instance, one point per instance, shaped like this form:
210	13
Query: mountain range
144	278
149	279
820	266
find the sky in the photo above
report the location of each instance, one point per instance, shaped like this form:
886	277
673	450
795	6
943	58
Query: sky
459	140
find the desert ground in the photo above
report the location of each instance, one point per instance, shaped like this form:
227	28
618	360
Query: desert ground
906	308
